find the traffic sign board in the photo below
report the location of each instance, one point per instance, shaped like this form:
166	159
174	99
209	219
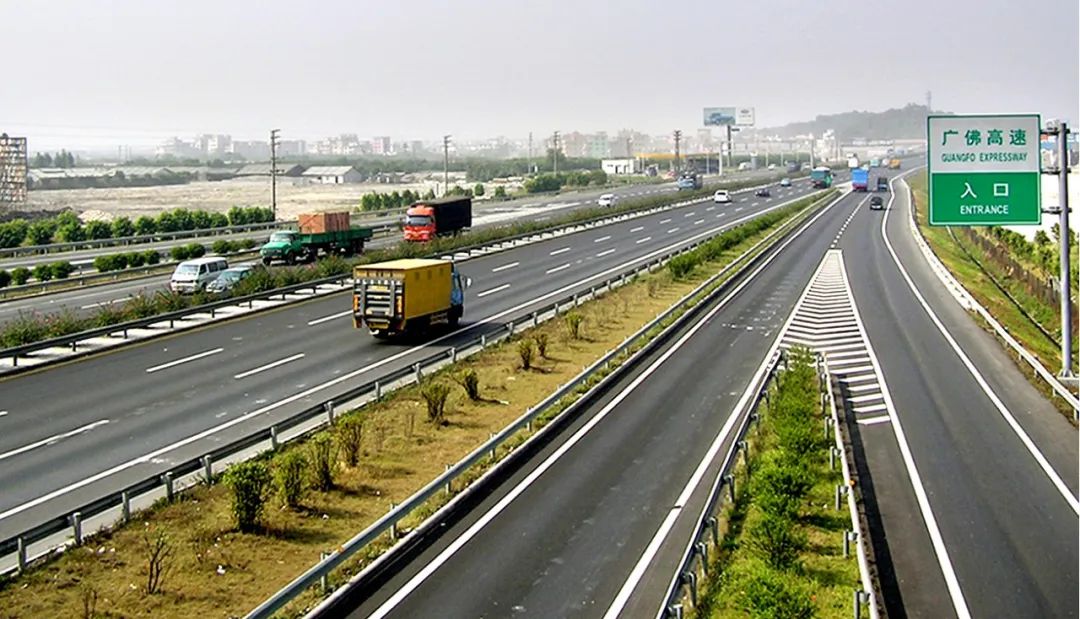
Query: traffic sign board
984	170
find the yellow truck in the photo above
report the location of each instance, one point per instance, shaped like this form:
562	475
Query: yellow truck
894	164
407	296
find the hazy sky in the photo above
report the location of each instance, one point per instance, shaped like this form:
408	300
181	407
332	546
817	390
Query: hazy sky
133	71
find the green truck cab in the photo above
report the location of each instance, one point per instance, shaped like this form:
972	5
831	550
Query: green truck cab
290	246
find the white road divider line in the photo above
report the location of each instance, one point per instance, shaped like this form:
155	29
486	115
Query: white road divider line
270	366
558	268
675	229
505	267
165	366
53	439
559	251
870	421
690	214
640	241
637	229
605	253
319	321
492	291
602	239
665	221
699	221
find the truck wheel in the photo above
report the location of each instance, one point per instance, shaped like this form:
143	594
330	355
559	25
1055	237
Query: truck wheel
266	261
454	316
290	258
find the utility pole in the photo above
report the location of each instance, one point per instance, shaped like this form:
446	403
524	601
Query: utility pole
273	170
530	155
678	138
1061	130
629	158
555	153
729	149
446	164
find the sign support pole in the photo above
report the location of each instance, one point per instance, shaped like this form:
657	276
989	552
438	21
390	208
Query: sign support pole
1063	233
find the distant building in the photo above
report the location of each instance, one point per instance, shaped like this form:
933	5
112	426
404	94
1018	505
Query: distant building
292	148
333	175
344	144
263	169
380	145
621	166
252	150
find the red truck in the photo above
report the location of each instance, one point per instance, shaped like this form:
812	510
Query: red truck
428	219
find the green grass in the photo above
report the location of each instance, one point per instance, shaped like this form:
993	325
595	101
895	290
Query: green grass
977	280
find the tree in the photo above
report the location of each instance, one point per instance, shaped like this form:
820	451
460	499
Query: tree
41	232
98	230
71	232
500	192
122	226
478	190
145	225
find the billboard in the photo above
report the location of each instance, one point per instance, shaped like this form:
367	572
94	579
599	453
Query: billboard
13	167
744	117
719	116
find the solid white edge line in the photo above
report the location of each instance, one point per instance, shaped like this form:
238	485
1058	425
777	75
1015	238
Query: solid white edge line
319	321
269	366
485	293
53	439
1043	463
372	366
434	564
165	366
505	267
952	584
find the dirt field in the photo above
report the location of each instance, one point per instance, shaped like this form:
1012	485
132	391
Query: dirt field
294	196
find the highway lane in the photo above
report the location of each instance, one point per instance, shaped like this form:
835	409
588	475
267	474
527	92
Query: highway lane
89	300
561	536
160	392
1007	521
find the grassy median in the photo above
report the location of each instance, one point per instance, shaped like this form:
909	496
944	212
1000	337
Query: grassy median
201	556
781	554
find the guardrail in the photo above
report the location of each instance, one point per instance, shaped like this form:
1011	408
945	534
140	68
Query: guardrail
967	301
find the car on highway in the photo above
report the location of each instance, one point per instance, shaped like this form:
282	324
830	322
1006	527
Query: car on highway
229	278
608	199
785	182
722	196
876	203
763	192
193	276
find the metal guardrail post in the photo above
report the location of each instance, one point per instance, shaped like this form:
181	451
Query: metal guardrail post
125	506
418	372
208	469
329	406
324	581
378	390
510	328
731	487
76	527
393	525
273	438
21	553
690	579
167	480
449	488
483	341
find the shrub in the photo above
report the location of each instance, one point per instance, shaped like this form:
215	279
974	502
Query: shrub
135	259
71	233
350	434
178	253
525	350
19	275
122	226
145	225
98	230
478	190
779	488
470	382
195	250
61	270
159	554
541	340
682	265
43	273
435	395
104	264
248	482
219	220
289	477
140	305
108	314
323	464
5	278
23	329
222	246
13	233
41	232
776	540
500	192
152	256
573	322
764	593
249	243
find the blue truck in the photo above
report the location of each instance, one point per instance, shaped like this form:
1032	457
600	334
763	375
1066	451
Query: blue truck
689	181
860	179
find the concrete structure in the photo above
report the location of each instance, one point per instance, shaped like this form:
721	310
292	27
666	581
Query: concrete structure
380	145
333	175
621	166
263	169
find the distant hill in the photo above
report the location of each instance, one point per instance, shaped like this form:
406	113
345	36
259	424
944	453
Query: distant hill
897	123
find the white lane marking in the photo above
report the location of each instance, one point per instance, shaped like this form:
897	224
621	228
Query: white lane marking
53	439
637	229
165	366
1043	463
3	413
741	208
269	366
319	321
675	229
665	221
690	214
700	221
492	291
602	239
367	368
640	241
505	267
605	253
873	420
558	268
710	208
444	556
559	251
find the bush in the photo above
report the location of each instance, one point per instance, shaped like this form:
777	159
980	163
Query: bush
43	273
470	382
140	305
500	192
98	230
776	540
478	190
13	233
71	233
195	250
525	351
179	253
350	434
435	395
222	246
152	256
134	259
41	232
145	225
289	477
573	322
61	270
5	278
249	243
764	593
19	275
682	265
323	463
248	482
122	226
541	340
779	488
104	264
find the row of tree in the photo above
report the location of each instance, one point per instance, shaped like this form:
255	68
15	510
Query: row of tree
554	182
62	159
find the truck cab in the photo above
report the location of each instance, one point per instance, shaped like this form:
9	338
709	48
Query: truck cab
420	223
283	245
407	296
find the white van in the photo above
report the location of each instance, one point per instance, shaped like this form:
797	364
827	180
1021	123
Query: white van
192	276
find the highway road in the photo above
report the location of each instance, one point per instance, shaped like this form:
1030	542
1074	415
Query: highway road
594	524
85	301
78	430
973	473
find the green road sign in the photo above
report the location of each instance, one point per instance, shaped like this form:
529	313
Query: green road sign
984	170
